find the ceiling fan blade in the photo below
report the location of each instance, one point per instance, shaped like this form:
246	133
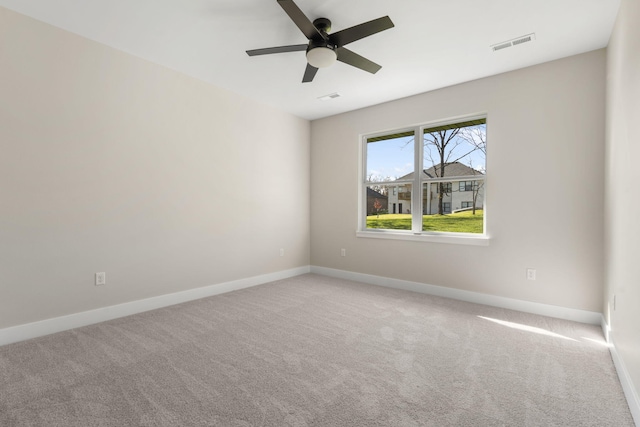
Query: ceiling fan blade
355	60
358	32
309	73
301	20
279	49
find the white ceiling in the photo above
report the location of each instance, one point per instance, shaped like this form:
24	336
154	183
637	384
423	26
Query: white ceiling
435	43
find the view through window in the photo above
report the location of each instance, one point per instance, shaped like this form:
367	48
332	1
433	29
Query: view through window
448	193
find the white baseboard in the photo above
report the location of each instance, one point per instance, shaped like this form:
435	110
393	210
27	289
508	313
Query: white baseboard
76	320
630	392
573	314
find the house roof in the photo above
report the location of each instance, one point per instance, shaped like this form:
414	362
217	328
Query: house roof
450	169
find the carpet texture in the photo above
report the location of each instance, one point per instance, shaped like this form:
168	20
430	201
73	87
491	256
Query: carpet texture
316	351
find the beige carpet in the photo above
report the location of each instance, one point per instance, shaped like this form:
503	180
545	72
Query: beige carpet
315	351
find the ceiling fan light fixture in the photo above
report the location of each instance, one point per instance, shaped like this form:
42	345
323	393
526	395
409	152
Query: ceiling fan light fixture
325	49
321	57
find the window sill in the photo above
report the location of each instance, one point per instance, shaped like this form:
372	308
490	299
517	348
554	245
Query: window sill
453	238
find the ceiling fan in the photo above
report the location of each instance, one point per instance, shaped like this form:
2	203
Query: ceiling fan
323	48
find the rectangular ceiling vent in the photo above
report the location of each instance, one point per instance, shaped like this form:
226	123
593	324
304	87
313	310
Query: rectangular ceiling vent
501	46
330	96
513	42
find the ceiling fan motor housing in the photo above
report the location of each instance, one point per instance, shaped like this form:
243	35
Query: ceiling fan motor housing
323	25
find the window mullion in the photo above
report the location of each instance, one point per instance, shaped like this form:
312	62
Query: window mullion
416	193
362	221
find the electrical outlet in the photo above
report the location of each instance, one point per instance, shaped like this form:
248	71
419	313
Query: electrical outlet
343	252
101	279
281	251
531	274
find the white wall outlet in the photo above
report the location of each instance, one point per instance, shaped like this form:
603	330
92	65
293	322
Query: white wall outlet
343	252
101	279
531	274
281	251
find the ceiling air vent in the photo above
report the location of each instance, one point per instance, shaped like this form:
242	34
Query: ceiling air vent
501	46
513	42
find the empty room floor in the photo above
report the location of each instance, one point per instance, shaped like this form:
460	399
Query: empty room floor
316	351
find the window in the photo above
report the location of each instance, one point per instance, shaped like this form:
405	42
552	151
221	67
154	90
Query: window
467	185
451	158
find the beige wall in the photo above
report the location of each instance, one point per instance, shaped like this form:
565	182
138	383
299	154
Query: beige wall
622	265
111	163
545	142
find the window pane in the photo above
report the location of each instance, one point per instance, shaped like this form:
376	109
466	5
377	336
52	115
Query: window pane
457	212
390	159
387	208
455	151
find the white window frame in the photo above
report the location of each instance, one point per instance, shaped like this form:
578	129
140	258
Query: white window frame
416	233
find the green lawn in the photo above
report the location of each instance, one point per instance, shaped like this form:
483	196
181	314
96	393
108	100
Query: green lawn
462	222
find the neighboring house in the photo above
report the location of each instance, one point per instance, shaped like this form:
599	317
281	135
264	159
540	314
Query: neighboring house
383	200
459	192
